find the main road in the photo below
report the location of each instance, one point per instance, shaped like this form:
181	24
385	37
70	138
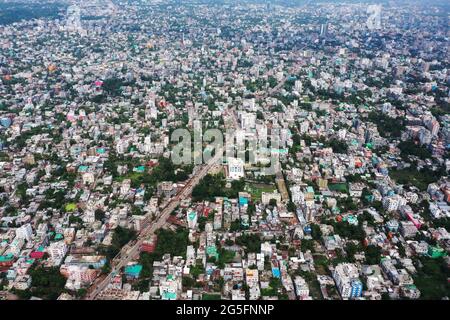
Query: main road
131	250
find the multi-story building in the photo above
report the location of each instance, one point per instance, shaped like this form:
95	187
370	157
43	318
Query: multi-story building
267	196
301	288
408	229
346	276
297	195
57	252
235	168
252	279
248	120
25	232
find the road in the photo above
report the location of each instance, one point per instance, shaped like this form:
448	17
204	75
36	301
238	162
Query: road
131	250
280	85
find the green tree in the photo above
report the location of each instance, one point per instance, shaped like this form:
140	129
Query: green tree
373	254
99	215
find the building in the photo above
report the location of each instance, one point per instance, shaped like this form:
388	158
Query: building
6	261
169	288
297	195
78	276
346	277
167	189
355	189
398	276
57	251
25	232
235	169
322	184
332	242
267	196
324	29
248	120
252	279
149	244
392	225
266	249
410	292
192	219
392	203
408	229
301	288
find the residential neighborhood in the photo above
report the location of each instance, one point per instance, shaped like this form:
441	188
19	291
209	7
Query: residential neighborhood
314	141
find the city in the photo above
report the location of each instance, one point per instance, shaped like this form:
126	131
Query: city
224	150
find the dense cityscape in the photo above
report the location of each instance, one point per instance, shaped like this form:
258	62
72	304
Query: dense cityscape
329	182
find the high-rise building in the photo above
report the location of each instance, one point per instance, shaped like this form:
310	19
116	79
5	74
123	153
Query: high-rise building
147	144
324	29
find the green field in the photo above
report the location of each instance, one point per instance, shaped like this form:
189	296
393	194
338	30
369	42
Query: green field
70	207
257	189
342	187
133	176
410	176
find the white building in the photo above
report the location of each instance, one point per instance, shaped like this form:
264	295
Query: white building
235	168
147	144
57	251
25	232
260	261
301	287
88	178
190	256
297	195
252	279
346	276
121	146
266	249
298	86
248	120
393	203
